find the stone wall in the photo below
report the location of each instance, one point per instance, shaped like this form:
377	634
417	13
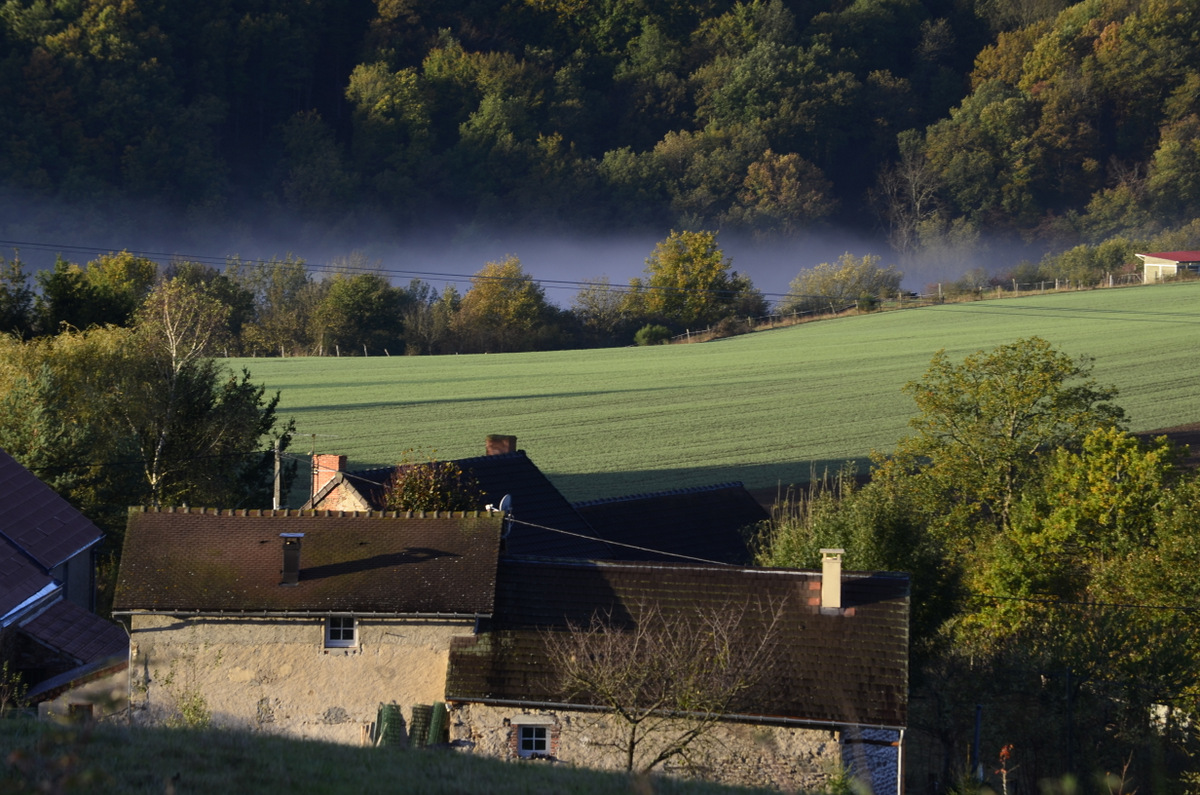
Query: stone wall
791	759
276	675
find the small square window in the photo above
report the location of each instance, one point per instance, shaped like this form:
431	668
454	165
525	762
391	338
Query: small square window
339	632
532	740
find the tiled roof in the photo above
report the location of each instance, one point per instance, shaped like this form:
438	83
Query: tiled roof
537	504
703	522
68	628
37	520
849	667
216	561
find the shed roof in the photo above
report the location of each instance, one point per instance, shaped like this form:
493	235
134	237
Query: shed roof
205	560
1175	256
84	636
704	522
833	668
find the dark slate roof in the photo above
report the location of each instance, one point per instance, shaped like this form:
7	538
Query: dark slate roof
37	520
537	504
84	636
206	560
845	667
705	522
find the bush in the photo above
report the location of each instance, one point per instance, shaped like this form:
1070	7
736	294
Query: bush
730	327
431	486
652	335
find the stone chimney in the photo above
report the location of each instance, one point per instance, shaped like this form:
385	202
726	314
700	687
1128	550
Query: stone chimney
498	444
291	558
831	579
324	467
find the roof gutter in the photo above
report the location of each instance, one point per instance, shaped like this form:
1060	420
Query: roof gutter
298	613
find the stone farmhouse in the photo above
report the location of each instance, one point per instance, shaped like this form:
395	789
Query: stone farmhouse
47	594
340	625
301	623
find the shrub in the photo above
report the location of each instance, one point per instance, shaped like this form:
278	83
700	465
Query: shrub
431	486
730	327
652	335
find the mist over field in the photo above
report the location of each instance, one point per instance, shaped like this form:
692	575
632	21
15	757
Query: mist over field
40	231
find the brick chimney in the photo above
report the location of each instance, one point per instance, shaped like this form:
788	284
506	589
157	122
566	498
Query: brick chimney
324	467
291	558
498	444
831	579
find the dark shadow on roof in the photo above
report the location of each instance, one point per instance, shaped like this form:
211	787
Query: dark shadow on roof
408	556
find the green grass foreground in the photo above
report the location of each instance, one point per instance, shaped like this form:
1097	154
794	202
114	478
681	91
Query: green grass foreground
41	757
766	409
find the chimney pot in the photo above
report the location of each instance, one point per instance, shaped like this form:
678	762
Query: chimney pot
291	558
498	444
831	578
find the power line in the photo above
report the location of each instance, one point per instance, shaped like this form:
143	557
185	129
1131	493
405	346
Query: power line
619	544
215	260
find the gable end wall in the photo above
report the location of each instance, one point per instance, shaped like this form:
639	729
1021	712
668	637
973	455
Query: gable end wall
275	675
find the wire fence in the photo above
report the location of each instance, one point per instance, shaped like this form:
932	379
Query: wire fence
936	294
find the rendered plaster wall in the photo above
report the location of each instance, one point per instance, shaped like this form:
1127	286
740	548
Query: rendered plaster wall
790	759
275	675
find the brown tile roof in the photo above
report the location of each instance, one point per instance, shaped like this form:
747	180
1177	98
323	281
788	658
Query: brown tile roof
206	560
84	636
34	518
536	503
704	522
834	669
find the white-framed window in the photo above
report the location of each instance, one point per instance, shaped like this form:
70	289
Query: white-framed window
340	632
533	740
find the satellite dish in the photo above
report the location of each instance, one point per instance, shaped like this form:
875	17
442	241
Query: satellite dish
506	512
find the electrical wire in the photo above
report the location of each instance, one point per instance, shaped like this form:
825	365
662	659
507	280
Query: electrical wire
562	284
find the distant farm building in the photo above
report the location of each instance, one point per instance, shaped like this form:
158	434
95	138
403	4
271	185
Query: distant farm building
1167	264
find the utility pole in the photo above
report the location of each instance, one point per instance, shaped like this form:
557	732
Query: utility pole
278	478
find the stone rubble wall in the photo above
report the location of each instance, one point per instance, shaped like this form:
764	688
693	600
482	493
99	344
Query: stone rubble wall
275	675
789	759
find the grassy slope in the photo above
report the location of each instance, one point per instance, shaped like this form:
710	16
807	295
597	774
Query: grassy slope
765	408
39	757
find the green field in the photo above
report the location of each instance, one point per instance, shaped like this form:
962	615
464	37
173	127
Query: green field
765	409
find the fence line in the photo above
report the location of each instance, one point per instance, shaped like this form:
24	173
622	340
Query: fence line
911	300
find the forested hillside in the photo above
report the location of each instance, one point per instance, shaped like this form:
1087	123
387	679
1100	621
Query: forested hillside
933	120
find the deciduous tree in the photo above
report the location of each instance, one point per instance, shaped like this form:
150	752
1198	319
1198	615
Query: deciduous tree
836	286
502	311
985	425
667	680
16	298
690	283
